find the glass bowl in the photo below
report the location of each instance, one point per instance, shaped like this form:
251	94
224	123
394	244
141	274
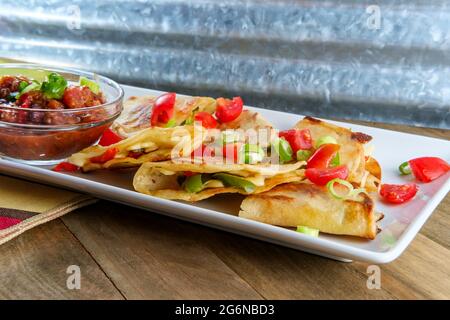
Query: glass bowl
69	131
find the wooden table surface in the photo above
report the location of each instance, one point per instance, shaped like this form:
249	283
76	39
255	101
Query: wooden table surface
127	253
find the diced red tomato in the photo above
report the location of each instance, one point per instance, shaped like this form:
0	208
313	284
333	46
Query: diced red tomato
322	157
105	157
65	166
298	139
321	176
228	110
230	152
22	115
79	97
206	119
203	151
108	138
163	109
189	173
398	193
427	169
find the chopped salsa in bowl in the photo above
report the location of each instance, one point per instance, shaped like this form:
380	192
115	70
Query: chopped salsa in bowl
44	121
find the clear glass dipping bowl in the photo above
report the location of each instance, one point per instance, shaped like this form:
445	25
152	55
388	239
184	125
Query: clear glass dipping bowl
77	129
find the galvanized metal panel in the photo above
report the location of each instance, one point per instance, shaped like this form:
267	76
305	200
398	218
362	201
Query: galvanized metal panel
323	58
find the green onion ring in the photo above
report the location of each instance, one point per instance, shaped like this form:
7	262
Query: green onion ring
404	168
325	140
330	187
309	231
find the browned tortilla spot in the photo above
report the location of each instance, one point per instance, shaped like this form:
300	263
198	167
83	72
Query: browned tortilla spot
276	197
312	119
361	137
367	202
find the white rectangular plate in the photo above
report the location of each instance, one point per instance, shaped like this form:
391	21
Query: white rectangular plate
400	225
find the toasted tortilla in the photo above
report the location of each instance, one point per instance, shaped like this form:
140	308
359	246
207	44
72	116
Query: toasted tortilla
160	179
373	172
137	112
351	152
152	144
304	204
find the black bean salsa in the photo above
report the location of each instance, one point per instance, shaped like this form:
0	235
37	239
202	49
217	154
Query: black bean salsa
52	94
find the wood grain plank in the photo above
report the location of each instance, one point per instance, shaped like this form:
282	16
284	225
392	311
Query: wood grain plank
149	256
281	273
438	226
421	272
34	266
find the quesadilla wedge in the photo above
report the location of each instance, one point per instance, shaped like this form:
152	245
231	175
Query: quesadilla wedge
351	153
197	181
152	144
143	142
304	204
137	112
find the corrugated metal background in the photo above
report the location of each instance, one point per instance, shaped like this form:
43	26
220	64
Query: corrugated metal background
323	58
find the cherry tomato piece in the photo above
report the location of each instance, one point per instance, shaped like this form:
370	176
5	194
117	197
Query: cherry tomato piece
321	176
298	139
203	151
65	166
105	157
228	110
398	193
322	157
108	138
206	120
80	97
427	169
163	109
230	152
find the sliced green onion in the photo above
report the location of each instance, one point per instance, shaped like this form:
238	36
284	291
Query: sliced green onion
31	87
22	85
189	121
335	161
251	153
193	184
54	86
283	149
171	123
309	231
252	157
404	168
235	181
303	155
325	140
85	82
348	185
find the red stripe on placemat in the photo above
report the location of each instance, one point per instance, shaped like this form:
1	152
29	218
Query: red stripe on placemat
10	217
17	214
6	222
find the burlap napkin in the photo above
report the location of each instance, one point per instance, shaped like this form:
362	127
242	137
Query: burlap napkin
24	205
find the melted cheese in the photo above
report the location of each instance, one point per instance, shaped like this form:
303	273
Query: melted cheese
257	180
213	183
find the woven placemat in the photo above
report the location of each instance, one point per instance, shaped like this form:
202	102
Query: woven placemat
25	205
